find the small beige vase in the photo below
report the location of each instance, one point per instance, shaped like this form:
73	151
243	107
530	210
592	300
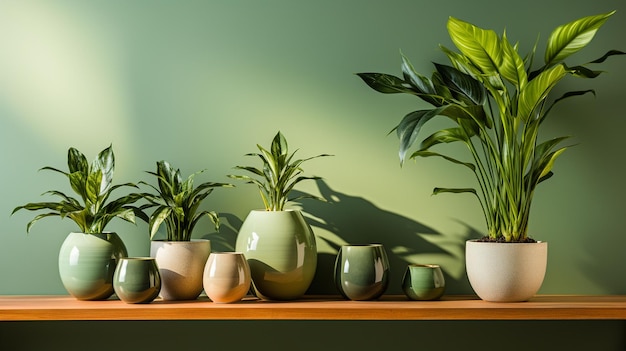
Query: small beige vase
181	265
226	277
506	272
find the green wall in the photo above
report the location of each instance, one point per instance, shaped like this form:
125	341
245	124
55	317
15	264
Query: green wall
200	83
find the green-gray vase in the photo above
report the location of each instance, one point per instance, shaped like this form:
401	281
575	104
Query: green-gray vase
423	282
87	263
281	252
362	271
137	280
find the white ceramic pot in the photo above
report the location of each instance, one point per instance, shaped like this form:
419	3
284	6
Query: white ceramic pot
226	277
506	272
181	264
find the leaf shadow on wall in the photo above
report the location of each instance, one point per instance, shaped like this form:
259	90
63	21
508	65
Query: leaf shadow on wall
346	219
355	220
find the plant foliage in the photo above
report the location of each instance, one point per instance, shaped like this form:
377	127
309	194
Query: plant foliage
178	202
93	183
497	102
279	174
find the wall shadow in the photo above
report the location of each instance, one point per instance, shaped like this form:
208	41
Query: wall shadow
225	238
346	219
355	220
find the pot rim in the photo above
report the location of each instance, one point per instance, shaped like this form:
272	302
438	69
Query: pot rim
498	242
179	241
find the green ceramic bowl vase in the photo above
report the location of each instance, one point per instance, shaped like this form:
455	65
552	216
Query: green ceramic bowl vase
281	251
87	263
137	280
423	282
362	271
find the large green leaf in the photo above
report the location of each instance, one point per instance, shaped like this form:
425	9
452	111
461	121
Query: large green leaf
410	126
443	136
467	89
421	83
385	83
512	67
106	164
158	216
482	47
571	37
424	153
438	191
534	93
76	161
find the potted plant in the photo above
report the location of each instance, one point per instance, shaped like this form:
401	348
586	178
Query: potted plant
88	258
497	102
180	258
278	243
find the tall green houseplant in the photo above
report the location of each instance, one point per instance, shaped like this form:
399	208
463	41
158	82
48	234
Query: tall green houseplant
497	101
278	243
87	259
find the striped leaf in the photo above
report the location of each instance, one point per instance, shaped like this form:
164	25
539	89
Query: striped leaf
571	37
482	47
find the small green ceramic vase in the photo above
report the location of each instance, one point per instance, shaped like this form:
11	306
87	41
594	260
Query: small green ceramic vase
423	282
362	271
87	263
137	280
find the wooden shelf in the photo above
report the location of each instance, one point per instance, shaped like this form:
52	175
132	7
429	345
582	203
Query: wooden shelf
544	307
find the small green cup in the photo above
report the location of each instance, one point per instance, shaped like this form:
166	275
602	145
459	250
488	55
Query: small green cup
423	282
137	279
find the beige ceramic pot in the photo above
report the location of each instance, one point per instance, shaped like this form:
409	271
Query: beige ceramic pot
506	272
181	264
226	277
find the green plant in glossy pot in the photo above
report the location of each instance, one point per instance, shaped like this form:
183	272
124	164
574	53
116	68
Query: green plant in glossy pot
88	258
497	101
277	242
177	204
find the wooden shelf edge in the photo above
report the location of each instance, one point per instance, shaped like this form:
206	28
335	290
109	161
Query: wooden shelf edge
461	307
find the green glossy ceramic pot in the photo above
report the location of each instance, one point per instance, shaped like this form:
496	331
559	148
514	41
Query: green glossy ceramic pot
87	263
137	280
281	251
362	271
423	282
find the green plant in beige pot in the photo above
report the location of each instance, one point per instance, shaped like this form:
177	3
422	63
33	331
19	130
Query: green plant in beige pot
177	204
278	243
87	259
497	102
